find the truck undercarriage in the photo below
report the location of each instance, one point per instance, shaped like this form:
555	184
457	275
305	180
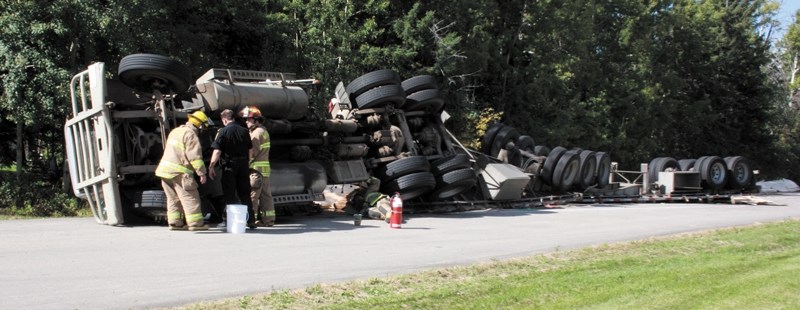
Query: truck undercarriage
377	125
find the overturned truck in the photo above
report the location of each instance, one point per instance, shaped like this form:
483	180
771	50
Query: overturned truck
378	124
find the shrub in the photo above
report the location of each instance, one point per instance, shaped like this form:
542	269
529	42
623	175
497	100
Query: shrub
39	197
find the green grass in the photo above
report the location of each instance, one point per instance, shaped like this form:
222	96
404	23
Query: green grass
755	267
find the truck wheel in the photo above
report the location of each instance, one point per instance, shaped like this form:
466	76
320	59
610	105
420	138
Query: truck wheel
488	137
450	163
148	72
412	185
661	164
566	171
550	164
603	169
515	158
419	82
453	183
698	162
380	96
588	164
424	100
400	167
686	164
741	172
526	143
713	172
541	150
505	135
371	80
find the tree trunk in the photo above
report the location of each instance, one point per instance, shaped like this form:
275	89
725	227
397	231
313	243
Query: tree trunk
20	158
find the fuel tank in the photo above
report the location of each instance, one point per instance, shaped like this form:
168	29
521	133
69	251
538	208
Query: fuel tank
297	178
274	100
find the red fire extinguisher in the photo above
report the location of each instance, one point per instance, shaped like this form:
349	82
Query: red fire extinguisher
397	211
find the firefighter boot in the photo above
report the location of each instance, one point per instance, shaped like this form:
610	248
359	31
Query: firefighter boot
177	227
200	227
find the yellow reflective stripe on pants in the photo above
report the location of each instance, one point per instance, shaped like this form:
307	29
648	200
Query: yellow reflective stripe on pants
269	213
194	218
173	216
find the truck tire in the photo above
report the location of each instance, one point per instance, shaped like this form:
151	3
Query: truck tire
696	166
526	143
713	172
482	160
411	186
505	135
453	183
380	96
661	164
541	150
566	171
686	164
740	172
371	80
450	163
603	169
401	167
419	82
149	72
550	164
488	137
588	164
424	100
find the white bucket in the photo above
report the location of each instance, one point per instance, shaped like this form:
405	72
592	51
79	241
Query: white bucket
236	222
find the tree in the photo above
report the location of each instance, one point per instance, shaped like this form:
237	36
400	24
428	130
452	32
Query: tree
35	34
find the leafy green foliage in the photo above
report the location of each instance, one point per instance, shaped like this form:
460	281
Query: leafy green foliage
787	115
39	197
638	79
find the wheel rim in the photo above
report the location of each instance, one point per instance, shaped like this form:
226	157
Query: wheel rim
741	174
717	173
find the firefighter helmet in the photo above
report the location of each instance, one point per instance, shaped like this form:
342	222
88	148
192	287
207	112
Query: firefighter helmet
250	112
200	119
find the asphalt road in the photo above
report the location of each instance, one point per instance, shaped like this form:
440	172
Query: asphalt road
74	263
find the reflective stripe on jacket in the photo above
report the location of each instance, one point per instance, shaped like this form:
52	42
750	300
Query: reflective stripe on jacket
182	155
260	161
373	198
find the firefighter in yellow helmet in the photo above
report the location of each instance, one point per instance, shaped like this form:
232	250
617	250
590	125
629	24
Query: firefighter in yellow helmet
182	159
263	206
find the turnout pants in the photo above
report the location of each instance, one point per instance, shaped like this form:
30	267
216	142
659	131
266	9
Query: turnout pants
382	210
183	201
260	194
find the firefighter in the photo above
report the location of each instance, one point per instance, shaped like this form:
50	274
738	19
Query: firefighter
378	206
231	148
181	160
260	193
375	205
